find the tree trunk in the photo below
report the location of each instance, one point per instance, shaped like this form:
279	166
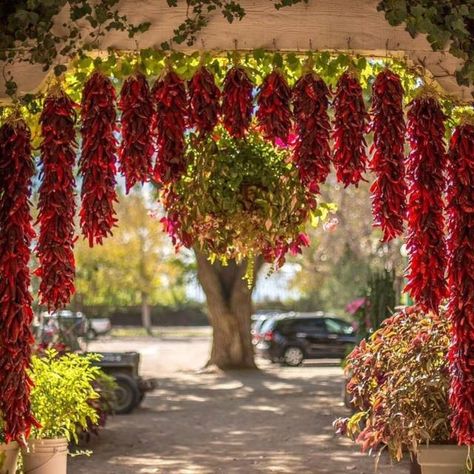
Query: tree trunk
229	303
146	316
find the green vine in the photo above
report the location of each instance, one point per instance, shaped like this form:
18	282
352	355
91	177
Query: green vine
443	21
27	33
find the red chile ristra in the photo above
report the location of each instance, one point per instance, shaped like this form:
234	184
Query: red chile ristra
460	245
97	162
388	124
312	153
425	176
273	113
237	102
171	119
16	171
136	149
56	202
350	124
204	102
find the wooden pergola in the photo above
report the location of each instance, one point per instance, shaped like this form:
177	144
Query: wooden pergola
326	25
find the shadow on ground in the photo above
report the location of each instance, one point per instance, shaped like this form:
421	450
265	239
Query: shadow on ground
273	420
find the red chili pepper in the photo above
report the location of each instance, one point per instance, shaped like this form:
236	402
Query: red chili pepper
350	124
237	102
273	113
16	171
56	202
312	153
388	124
97	162
170	125
136	150
460	243
425	168
204	97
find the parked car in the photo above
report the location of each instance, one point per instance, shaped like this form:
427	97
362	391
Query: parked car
292	338
98	327
258	321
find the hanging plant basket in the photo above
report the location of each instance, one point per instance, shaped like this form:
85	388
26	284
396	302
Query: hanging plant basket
239	198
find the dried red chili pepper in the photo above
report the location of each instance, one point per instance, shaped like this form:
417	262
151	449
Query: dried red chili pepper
312	153
170	125
460	243
204	101
16	171
98	157
56	202
425	167
273	113
388	124
136	149
350	124
237	102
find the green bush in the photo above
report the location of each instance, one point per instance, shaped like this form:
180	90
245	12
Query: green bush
63	395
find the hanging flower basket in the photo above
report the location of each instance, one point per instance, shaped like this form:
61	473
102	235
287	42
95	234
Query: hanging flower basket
239	198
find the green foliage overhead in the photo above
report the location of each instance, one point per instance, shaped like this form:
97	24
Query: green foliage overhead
444	22
63	394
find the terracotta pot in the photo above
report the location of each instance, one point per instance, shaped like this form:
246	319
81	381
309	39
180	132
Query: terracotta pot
45	456
442	459
9	457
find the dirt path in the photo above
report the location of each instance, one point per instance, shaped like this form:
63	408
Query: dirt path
275	420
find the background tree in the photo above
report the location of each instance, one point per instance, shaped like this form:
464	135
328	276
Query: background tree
136	266
344	252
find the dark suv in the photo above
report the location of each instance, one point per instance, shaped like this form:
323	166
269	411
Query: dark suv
292	338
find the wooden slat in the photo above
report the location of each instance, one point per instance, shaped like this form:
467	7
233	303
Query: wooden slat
345	25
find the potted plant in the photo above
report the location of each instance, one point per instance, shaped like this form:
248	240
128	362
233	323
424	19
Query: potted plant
399	382
61	402
8	453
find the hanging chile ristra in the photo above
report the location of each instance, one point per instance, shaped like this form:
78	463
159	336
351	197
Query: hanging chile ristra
170	124
98	159
16	233
55	247
136	150
460	243
425	176
237	102
273	112
350	124
312	153
388	124
204	102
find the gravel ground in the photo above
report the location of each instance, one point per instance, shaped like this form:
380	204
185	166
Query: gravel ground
273	420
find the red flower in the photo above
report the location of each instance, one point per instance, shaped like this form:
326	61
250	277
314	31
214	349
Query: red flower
237	102
136	150
204	97
425	168
350	123
273	113
312	154
460	243
97	162
170	125
56	202
388	124
16	171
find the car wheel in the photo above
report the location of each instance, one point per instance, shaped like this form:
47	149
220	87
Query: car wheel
293	356
127	394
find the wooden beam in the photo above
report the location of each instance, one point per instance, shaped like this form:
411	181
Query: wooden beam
334	25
